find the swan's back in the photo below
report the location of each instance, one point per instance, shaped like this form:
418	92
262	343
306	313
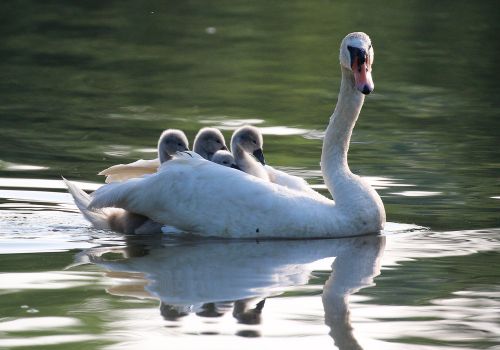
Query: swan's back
292	182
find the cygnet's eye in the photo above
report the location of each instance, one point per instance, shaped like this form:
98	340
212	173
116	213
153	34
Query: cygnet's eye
254	142
179	144
225	162
218	141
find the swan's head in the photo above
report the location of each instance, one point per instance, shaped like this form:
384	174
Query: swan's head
171	141
249	139
208	141
225	158
356	55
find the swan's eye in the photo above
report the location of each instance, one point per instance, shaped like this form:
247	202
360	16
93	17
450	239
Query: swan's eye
179	144
217	141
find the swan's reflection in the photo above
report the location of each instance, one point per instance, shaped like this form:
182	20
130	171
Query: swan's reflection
212	278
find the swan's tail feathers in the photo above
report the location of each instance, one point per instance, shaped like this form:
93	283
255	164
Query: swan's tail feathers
122	172
111	195
98	218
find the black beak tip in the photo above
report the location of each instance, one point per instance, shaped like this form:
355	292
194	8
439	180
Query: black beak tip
366	90
260	156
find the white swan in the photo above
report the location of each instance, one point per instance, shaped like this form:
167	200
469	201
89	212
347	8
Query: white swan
248	140
201	197
206	143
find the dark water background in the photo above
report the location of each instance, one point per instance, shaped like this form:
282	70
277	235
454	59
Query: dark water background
88	84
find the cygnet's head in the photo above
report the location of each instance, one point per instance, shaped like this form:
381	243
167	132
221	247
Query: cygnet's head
170	142
356	55
208	141
225	158
249	139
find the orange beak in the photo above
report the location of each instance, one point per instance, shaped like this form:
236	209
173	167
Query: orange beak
363	76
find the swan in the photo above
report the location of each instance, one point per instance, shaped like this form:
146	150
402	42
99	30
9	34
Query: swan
206	143
248	140
204	198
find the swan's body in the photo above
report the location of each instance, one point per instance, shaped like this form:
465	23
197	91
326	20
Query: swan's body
206	143
290	181
204	198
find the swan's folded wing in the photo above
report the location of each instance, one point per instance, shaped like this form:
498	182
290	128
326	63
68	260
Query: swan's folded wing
122	172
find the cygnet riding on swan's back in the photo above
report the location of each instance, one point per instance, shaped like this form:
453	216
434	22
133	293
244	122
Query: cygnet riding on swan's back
248	140
245	142
182	194
225	158
206	143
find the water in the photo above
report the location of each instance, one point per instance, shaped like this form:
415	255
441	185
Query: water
87	85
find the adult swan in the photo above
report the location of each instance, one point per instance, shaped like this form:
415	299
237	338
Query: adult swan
204	198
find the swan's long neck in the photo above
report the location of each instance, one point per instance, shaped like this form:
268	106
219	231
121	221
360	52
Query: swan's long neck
352	195
338	133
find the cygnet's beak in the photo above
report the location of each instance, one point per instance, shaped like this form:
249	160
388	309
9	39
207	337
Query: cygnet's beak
234	166
260	156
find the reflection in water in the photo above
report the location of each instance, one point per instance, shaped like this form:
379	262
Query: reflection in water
210	278
351	271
